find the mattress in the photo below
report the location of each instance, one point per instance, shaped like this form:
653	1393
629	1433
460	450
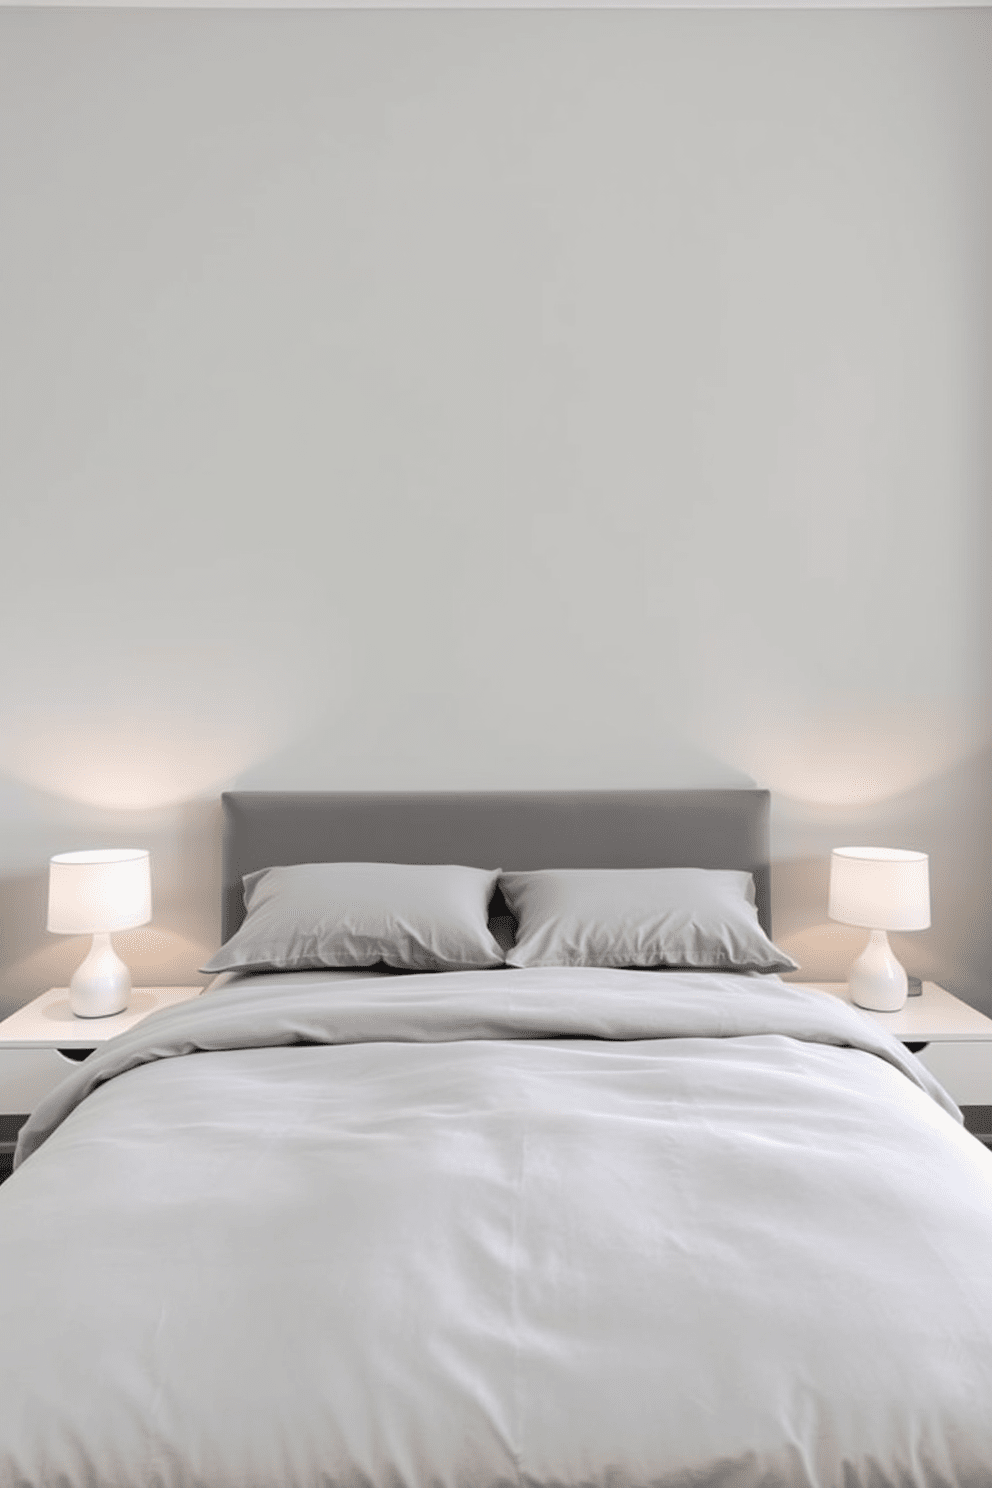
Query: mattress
549	1226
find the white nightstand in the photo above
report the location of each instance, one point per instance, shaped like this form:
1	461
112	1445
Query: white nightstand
953	1040
44	1041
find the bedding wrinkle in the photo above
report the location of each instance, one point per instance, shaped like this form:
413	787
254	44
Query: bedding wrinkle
517	1386
157	1418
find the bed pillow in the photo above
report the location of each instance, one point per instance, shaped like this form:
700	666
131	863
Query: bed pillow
700	918
416	917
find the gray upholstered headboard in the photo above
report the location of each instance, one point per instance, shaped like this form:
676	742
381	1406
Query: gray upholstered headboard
497	829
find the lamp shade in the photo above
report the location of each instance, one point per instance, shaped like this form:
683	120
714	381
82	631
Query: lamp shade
880	888
100	891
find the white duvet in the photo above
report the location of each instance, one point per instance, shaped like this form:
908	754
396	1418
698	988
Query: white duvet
552	1227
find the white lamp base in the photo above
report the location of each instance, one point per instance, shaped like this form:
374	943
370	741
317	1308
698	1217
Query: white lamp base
877	980
101	985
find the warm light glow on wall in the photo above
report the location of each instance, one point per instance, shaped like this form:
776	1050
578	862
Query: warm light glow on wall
128	767
851	759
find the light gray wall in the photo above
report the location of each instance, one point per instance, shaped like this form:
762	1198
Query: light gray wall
492	399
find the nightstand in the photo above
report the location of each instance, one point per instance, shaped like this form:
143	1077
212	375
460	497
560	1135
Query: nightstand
953	1040
43	1042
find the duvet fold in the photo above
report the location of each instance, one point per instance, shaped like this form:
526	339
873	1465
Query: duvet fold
306	1008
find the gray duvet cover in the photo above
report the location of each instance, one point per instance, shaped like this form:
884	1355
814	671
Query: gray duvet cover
551	1227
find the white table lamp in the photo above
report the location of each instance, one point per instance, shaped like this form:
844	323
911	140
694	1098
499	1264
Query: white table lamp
95	893
880	888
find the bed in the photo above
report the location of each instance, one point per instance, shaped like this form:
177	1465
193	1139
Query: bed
552	1223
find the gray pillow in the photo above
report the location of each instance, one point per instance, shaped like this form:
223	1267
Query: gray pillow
692	917
414	916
